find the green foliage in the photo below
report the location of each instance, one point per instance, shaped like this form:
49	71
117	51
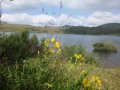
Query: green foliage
43	74
105	46
54	68
105	29
16	46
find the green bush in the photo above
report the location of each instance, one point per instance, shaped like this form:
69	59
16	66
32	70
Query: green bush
105	46
17	46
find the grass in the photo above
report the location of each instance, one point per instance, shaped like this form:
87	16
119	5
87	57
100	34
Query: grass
110	77
19	27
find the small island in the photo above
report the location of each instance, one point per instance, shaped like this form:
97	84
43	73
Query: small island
105	46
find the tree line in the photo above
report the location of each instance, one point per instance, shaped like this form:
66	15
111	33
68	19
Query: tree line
99	30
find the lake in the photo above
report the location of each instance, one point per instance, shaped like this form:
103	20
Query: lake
106	58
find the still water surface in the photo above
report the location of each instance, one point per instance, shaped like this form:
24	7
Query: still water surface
109	59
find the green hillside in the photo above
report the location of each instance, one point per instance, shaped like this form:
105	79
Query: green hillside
105	29
20	27
110	25
110	28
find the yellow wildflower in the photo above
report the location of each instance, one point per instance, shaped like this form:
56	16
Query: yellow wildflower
53	40
79	57
57	44
96	80
85	82
38	52
93	79
99	81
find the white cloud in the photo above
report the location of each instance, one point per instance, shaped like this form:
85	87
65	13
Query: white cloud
98	5
20	4
99	18
94	19
27	4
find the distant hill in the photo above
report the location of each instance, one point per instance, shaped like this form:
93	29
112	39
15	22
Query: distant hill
109	28
6	27
110	25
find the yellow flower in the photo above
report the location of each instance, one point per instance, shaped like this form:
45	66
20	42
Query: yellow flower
85	82
79	57
96	79
93	79
99	81
38	52
53	40
57	44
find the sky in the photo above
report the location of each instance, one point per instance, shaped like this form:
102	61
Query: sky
61	12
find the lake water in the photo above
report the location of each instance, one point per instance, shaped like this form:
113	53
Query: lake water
109	59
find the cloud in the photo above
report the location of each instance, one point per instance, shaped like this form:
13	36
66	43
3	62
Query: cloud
20	4
94	19
98	5
99	18
27	4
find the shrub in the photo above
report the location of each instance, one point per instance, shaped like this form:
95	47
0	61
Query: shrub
16	46
105	46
